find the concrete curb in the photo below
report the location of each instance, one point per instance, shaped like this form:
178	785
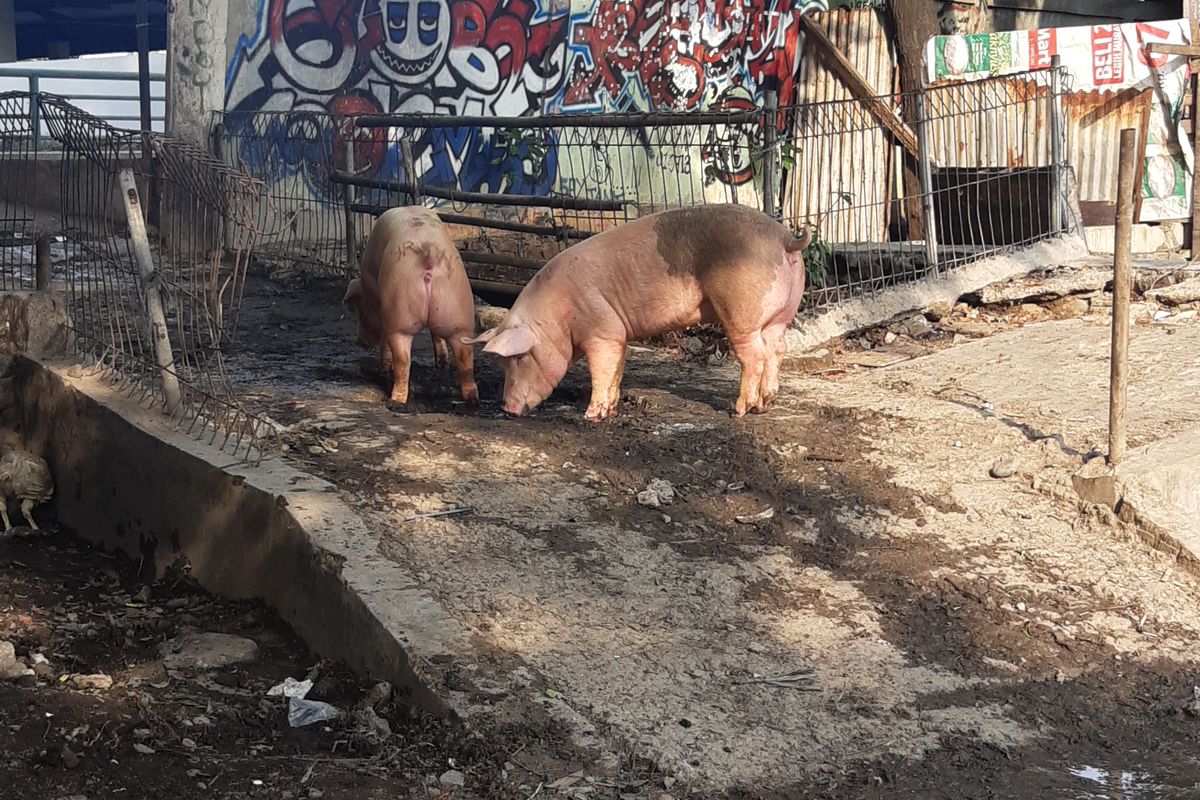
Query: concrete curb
129	481
866	312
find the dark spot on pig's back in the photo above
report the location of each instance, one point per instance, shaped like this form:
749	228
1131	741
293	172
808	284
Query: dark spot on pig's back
703	241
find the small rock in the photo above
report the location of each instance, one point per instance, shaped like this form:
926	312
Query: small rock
10	667
666	518
98	681
939	311
188	744
41	665
916	326
452	777
69	759
75	371
1022	607
207	651
889	337
1003	468
144	749
1069	307
176	603
657	493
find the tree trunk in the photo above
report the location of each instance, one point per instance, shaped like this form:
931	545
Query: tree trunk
915	21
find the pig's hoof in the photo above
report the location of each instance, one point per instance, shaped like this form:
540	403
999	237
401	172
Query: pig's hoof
396	405
600	411
471	396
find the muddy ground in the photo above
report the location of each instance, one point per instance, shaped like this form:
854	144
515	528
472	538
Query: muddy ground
899	625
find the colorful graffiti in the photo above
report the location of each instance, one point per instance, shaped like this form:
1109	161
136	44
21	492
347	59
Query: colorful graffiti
678	54
310	59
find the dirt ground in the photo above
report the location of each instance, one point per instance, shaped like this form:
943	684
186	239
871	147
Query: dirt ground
165	730
839	602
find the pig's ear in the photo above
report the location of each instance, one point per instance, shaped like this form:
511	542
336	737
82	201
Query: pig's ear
353	295
513	341
486	336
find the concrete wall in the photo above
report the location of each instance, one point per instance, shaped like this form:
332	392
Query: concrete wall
266	532
196	59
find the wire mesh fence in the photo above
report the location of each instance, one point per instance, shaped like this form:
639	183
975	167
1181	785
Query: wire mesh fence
18	223
153	310
980	175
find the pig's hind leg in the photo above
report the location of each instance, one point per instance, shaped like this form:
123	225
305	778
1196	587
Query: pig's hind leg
776	343
464	365
400	346
606	364
441	355
754	355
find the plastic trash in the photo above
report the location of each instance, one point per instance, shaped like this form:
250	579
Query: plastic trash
307	712
291	688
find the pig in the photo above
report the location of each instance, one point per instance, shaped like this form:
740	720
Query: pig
411	277
725	264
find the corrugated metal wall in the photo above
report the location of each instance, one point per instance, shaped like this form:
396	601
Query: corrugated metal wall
844	165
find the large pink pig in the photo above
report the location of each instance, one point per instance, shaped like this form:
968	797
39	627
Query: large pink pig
725	264
411	277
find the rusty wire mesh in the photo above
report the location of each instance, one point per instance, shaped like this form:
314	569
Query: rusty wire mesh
201	237
18	163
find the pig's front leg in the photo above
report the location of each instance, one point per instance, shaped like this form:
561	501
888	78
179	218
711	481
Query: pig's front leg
401	348
606	363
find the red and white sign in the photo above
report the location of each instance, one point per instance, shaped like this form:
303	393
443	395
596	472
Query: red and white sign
1108	55
1043	45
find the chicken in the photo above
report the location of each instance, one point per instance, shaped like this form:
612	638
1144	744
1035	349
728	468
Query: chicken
25	477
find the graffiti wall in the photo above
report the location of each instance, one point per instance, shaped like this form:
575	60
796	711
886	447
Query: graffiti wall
309	59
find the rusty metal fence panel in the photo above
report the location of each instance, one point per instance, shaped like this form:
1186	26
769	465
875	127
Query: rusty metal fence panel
201	238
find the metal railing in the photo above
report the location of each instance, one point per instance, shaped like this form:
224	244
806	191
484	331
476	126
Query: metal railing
77	92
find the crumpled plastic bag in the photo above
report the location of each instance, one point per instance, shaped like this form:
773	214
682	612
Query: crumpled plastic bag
308	712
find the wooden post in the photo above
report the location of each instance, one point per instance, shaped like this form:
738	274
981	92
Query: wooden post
770	159
156	322
1192	10
925	181
42	260
410	171
1057	129
1122	280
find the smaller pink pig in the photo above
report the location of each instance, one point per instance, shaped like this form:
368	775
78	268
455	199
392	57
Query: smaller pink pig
411	277
726	264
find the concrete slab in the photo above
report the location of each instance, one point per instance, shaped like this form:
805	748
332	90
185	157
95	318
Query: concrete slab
865	312
1159	487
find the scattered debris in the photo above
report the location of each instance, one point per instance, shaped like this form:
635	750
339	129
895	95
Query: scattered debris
450	512
798	679
99	682
657	493
762	516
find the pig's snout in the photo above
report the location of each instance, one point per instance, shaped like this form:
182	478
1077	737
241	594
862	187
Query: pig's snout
514	408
